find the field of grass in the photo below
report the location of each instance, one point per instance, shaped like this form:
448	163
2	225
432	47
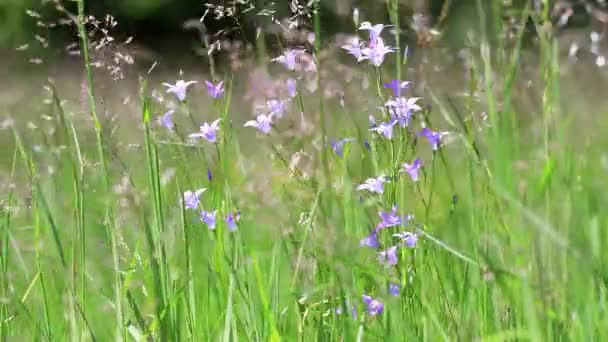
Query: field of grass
504	242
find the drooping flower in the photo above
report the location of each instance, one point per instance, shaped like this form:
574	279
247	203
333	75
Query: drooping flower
374	184
396	86
179	89
409	239
433	137
371	240
209	218
372	306
191	199
215	90
208	131
394	289
385	128
388	257
401	109
412	169
263	123
232	219
289	58
167	120
292	87
353	48
375	53
338	145
374	30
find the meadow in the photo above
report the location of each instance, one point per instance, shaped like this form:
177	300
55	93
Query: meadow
387	209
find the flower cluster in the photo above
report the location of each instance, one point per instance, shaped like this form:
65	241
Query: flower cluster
374	51
191	201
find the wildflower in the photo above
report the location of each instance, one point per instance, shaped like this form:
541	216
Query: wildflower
338	145
410	239
289	58
167	120
179	89
396	86
292	87
232	219
276	107
373	185
385	128
215	90
354	48
373	306
208	131
209	175
412	169
434	138
391	219
192	198
388	257
263	123
371	240
394	289
401	109
208	218
374	31
375	53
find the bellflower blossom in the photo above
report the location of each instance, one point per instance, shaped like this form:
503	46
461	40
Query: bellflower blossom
354	48
292	87
232	219
396	86
385	128
209	218
215	90
394	289
392	219
338	145
371	240
374	31
412	169
388	257
179	89
167	120
263	123
409	239
276	107
375	53
191	199
433	137
372	306
289	58
401	109
374	185
208	131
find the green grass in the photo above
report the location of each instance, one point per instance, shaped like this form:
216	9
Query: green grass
510	215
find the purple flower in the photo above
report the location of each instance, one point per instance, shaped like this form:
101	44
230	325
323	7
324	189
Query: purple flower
373	306
209	175
215	91
374	31
396	86
191	199
167	120
410	239
375	53
412	169
338	145
208	131
353	48
292	87
389	219
232	219
276	107
434	138
394	289
208	218
385	128
263	123
401	109
373	185
388	257
371	240
289	58
179	89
